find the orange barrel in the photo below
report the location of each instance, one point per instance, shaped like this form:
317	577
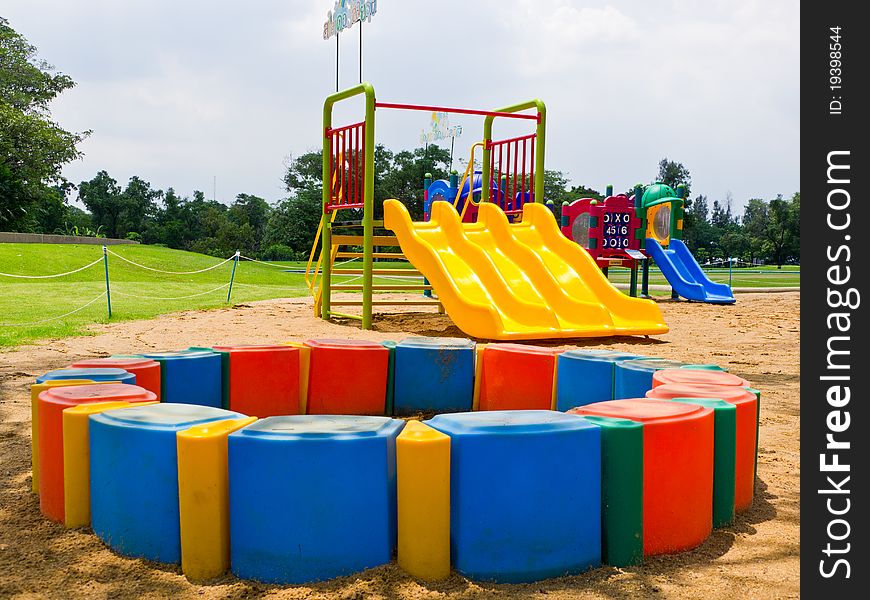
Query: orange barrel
263	380
347	377
516	377
50	406
147	371
677	469
747	415
694	376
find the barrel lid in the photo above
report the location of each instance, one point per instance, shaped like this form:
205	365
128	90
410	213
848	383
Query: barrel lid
105	392
179	354
601	355
436	342
693	376
729	393
649	364
507	422
92	373
640	409
613	422
322	426
165	415
524	349
115	361
256	348
345	344
714	403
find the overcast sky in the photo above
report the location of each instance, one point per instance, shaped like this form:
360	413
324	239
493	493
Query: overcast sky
181	91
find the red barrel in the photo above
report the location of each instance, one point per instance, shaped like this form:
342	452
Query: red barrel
347	377
516	377
51	404
747	426
677	469
697	376
264	380
147	371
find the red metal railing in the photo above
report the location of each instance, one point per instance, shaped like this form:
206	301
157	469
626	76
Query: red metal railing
347	165
512	169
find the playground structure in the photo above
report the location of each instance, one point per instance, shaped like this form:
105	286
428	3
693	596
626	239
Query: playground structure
624	231
496	278
644	475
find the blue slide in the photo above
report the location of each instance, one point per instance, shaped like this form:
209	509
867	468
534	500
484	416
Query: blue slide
685	275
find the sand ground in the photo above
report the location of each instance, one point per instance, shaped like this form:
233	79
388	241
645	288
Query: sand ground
758	557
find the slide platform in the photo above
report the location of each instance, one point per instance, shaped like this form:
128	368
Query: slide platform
516	281
685	274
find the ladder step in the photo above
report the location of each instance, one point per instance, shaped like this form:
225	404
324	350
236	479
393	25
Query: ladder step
357	240
356	223
374	255
398	287
396	272
386	302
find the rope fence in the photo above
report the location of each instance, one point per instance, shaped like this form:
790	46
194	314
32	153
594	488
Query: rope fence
50	319
87	266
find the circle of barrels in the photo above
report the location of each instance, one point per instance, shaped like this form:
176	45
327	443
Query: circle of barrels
284	464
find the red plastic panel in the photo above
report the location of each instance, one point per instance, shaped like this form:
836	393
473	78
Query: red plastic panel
264	380
516	377
147	371
678	469
747	416
347	377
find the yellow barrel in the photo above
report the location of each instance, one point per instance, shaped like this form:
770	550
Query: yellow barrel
423	493
35	390
203	497
304	368
76	460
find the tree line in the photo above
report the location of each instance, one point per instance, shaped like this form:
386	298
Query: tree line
35	197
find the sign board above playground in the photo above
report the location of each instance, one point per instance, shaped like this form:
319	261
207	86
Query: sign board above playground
347	12
439	129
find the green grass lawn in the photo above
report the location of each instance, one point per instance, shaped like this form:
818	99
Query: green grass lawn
135	293
138	293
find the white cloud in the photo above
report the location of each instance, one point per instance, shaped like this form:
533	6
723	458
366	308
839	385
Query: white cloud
178	92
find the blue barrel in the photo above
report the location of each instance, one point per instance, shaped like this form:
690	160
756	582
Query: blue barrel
312	497
134	476
633	378
190	377
586	376
433	374
93	373
525	494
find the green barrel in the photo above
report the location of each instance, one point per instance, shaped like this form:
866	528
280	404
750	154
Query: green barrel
724	456
621	490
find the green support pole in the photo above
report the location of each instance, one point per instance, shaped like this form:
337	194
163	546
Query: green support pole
632	286
541	133
368	202
638	207
608	191
233	275
108	293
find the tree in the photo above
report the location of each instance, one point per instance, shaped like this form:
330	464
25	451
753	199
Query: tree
33	148
102	197
673	174
138	203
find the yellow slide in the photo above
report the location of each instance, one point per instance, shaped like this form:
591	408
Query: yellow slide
520	281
